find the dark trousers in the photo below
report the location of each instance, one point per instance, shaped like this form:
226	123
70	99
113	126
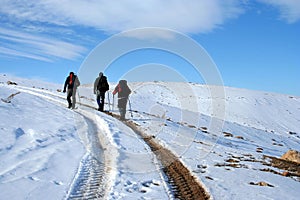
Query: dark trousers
100	100
71	93
122	104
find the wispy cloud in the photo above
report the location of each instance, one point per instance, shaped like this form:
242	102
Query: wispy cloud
25	23
289	9
21	44
14	53
193	16
31	20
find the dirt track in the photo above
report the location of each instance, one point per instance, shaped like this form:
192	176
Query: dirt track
182	183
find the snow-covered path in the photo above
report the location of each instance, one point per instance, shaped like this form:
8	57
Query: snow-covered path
116	170
90	181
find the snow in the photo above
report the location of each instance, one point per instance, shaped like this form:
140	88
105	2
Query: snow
43	143
38	139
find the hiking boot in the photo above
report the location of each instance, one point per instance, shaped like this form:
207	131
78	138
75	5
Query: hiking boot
70	105
122	118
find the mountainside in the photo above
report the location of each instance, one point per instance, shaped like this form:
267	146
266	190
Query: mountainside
47	148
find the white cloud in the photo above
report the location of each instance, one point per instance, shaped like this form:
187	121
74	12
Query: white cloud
111	16
14	53
26	45
30	18
192	16
289	9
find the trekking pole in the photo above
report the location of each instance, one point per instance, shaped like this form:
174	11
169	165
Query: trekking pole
113	105
108	101
130	107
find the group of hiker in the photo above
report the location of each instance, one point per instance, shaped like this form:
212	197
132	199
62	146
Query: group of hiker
101	86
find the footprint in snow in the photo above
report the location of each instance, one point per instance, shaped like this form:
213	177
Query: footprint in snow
19	132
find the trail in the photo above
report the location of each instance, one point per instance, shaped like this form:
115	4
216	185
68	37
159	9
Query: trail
89	182
180	180
94	169
92	180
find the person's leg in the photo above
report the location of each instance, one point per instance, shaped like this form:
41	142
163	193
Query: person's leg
122	113
122	108
98	101
102	97
69	94
73	98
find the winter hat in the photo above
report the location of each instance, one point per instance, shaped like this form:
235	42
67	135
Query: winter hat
100	74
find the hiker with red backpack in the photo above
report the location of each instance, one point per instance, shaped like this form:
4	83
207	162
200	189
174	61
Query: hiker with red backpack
100	87
72	82
123	93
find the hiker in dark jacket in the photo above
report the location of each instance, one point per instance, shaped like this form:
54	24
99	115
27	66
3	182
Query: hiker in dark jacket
123	93
71	84
100	87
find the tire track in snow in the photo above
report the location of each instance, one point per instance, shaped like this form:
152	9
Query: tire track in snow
89	183
91	180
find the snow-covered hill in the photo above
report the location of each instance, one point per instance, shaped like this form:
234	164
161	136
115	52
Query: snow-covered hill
45	146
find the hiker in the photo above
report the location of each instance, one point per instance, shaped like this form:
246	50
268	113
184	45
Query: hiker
123	92
100	87
72	82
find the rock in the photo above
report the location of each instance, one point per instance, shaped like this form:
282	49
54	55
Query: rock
156	182
264	184
239	137
192	126
259	150
292	155
204	128
143	190
226	134
292	133
232	160
11	83
261	183
285	173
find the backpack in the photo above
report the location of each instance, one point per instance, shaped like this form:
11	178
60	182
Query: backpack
124	90
102	84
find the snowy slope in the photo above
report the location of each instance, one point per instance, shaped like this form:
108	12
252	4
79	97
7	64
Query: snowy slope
38	139
256	124
46	147
229	163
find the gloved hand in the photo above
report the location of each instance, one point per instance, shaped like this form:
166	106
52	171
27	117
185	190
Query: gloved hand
64	91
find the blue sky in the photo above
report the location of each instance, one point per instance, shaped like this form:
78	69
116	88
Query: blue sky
255	44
